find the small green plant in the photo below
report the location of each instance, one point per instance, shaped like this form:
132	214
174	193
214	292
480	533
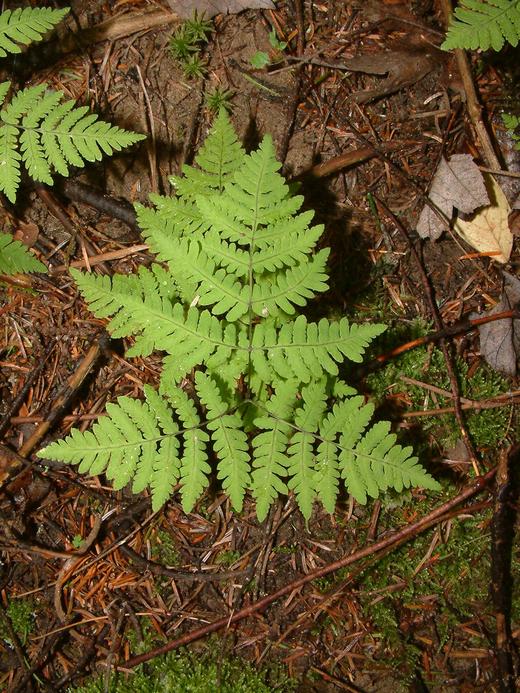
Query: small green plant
186	44
512	123
164	550
267	407
194	67
261	59
219	99
228	557
484	24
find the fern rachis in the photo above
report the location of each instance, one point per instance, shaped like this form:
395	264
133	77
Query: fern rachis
267	412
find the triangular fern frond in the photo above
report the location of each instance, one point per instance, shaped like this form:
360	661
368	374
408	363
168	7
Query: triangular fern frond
48	135
15	257
265	404
25	26
484	24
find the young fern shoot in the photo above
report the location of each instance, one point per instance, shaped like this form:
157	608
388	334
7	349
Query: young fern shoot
237	261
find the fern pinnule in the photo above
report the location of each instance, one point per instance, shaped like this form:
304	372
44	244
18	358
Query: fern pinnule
25	26
484	24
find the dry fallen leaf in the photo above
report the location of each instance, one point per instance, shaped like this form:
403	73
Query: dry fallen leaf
500	340
209	8
488	231
457	184
403	68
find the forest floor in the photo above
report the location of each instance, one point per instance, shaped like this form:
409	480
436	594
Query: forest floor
364	143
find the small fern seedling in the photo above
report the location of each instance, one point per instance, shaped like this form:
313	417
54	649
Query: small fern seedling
237	262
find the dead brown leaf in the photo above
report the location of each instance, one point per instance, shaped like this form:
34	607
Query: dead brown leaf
403	68
488	230
457	184
500	340
209	8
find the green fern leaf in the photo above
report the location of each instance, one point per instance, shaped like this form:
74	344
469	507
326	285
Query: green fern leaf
327	467
484	24
45	134
194	469
4	88
25	26
165	463
138	308
306	349
240	260
229	440
120	444
14	257
301	462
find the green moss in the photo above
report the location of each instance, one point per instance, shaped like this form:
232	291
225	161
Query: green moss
163	549
487	427
21	614
185	672
451	584
228	557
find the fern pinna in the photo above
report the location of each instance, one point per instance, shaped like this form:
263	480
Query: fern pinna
266	407
484	24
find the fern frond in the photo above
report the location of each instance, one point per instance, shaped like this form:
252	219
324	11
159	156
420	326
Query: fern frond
229	440
48	135
25	26
241	259
15	257
484	24
218	159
